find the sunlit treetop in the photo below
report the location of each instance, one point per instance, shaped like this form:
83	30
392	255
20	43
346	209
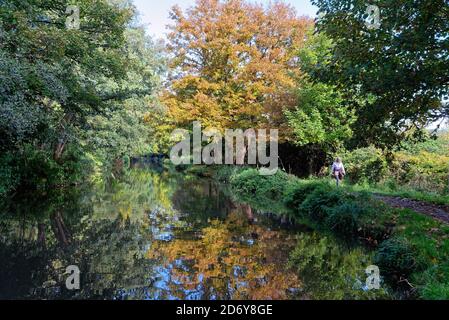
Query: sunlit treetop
234	63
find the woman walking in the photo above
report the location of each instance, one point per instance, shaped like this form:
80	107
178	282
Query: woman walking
338	170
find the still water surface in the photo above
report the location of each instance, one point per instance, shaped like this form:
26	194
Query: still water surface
155	234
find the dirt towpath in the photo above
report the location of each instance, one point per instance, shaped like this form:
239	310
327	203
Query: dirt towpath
438	212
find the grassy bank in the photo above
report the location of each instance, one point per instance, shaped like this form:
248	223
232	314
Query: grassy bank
411	250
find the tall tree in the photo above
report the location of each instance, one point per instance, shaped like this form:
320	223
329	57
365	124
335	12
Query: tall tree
121	130
322	119
396	69
58	72
234	63
56	77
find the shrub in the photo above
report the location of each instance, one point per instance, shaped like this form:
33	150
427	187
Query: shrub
419	166
365	164
261	192
396	258
360	218
225	173
297	193
39	170
344	219
422	171
316	205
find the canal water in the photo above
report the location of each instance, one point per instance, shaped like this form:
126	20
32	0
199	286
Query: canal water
153	234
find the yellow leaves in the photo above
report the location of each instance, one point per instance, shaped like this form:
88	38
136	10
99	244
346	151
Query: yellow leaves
233	60
422	170
125	212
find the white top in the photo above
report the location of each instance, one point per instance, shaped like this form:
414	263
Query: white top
338	166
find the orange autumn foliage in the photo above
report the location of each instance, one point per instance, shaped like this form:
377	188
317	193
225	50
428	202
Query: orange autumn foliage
234	63
219	262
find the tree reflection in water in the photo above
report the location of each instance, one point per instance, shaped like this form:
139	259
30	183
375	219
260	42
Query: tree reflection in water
150	235
230	259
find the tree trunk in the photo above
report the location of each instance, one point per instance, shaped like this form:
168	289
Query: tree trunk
249	212
41	234
61	232
59	150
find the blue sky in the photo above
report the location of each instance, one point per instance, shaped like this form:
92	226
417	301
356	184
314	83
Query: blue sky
154	14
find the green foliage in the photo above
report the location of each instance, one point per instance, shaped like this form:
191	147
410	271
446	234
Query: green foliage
297	193
321	116
429	240
65	93
344	219
225	173
317	204
396	257
121	129
436	291
438	144
8	177
389	67
38	169
365	164
352	217
436	282
421	171
261	192
419	167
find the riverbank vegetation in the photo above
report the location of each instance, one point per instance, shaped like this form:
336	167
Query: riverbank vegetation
72	100
411	249
77	105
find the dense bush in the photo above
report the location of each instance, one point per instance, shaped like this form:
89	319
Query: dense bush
224	173
38	169
419	166
396	258
365	164
360	218
344	219
423	171
297	193
261	192
317	204
352	217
